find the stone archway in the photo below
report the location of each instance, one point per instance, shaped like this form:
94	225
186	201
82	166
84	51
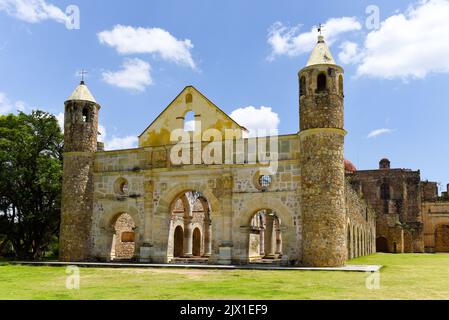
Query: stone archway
123	241
242	230
105	233
265	237
190	210
442	238
382	245
162	249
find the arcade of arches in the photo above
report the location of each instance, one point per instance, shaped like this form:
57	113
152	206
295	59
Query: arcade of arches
360	241
265	237
190	234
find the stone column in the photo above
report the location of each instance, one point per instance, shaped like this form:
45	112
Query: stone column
262	241
114	243
226	245
188	237
278	239
208	237
270	237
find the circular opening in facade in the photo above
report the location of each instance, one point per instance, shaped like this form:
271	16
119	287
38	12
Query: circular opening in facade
265	182
122	186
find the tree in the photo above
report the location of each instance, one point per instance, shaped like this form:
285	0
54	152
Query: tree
30	182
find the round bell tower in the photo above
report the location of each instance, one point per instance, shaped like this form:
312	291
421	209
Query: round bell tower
322	160
80	145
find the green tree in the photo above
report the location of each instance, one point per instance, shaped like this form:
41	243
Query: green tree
30	182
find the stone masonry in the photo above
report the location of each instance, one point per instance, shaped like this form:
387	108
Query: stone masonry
311	213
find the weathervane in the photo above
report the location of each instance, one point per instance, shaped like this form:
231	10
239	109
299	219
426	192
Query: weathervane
82	73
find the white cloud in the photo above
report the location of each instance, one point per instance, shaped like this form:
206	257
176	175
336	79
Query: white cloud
60	118
102	133
409	45
255	119
134	75
20	105
7	106
33	11
117	143
350	53
379	132
289	41
130	40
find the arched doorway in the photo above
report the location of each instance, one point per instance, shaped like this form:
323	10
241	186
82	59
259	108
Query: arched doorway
382	245
265	237
190	215
178	250
442	238
123	241
197	243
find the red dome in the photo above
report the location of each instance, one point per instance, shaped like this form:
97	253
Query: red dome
350	167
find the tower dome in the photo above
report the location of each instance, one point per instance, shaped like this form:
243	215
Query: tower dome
320	54
82	93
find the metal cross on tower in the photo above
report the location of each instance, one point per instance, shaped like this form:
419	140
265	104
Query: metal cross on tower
82	73
320	29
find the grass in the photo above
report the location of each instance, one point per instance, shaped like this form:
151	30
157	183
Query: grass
408	276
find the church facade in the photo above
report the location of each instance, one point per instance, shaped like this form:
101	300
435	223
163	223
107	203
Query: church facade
181	196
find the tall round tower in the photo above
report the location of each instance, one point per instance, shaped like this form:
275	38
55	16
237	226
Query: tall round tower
80	145
322	160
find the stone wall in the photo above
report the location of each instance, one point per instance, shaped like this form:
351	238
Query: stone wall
232	191
429	190
435	218
395	195
361	225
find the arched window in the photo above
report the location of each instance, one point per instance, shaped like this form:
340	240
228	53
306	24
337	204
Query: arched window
340	84
189	98
189	121
385	191
321	82
86	115
302	86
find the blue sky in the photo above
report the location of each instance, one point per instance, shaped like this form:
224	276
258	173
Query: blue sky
240	54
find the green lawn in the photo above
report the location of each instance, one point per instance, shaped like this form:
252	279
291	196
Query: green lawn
408	276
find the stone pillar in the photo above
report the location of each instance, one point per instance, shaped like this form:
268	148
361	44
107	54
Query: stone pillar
278	239
208	237
262	241
188	237
351	242
270	237
114	244
226	245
